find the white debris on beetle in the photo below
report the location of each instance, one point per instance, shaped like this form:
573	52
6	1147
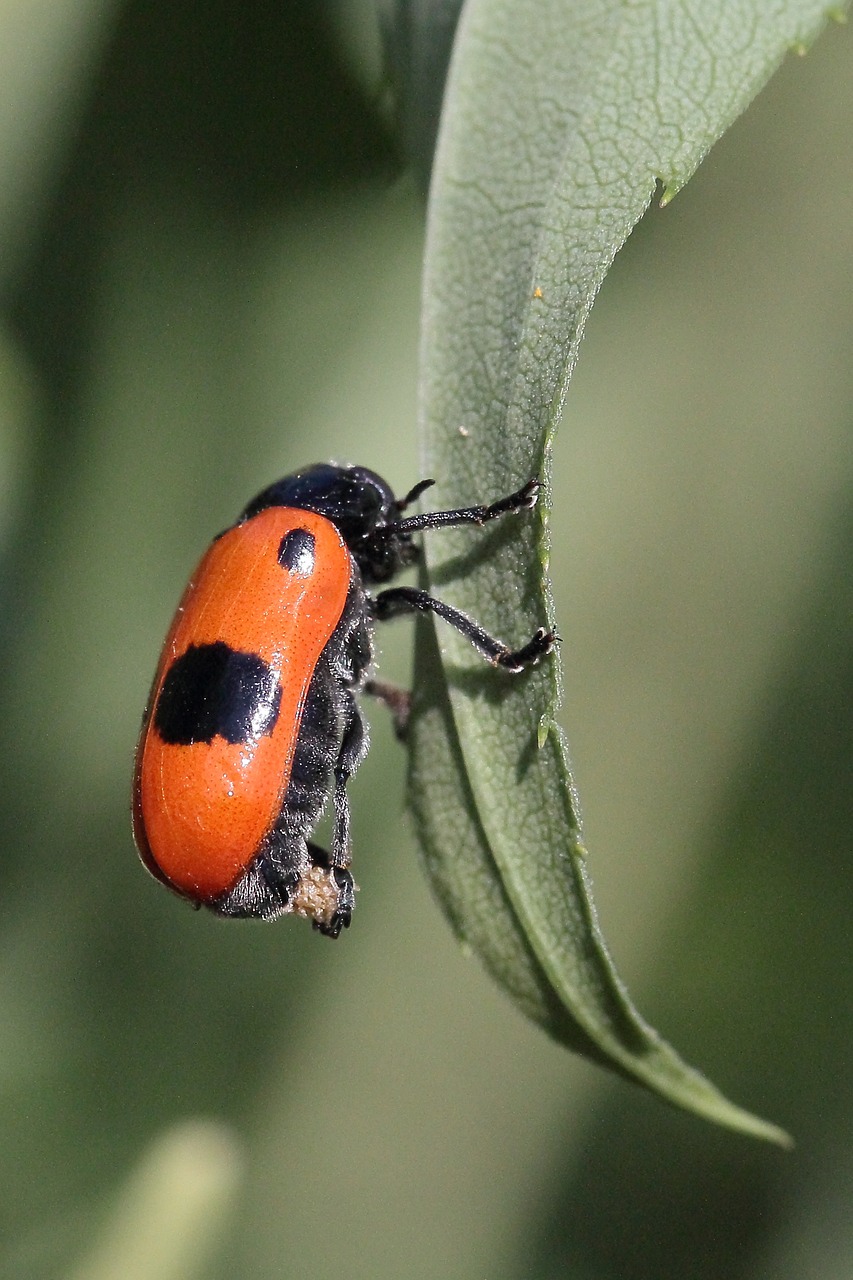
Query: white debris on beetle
316	897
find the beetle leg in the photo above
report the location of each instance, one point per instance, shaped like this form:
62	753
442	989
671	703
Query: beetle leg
352	751
522	500
340	917
397	700
400	600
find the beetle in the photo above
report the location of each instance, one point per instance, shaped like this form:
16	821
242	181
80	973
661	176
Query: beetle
253	719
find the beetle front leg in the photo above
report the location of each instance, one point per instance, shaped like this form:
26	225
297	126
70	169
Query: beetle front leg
524	499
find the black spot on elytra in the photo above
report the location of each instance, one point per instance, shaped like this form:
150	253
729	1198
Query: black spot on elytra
296	552
214	689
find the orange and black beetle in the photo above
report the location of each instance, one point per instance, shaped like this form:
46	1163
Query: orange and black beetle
253	719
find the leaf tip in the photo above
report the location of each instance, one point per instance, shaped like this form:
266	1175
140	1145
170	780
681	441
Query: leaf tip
687	1088
669	190
754	1127
751	1126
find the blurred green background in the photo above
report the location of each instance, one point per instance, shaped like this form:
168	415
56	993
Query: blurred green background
210	272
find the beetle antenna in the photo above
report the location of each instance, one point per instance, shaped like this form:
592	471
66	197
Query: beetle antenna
413	494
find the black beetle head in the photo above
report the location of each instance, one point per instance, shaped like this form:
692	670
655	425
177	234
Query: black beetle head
359	502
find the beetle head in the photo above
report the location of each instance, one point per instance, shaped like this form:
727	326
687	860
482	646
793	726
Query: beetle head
361	505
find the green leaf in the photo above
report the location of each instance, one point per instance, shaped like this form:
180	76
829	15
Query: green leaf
418	37
559	122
